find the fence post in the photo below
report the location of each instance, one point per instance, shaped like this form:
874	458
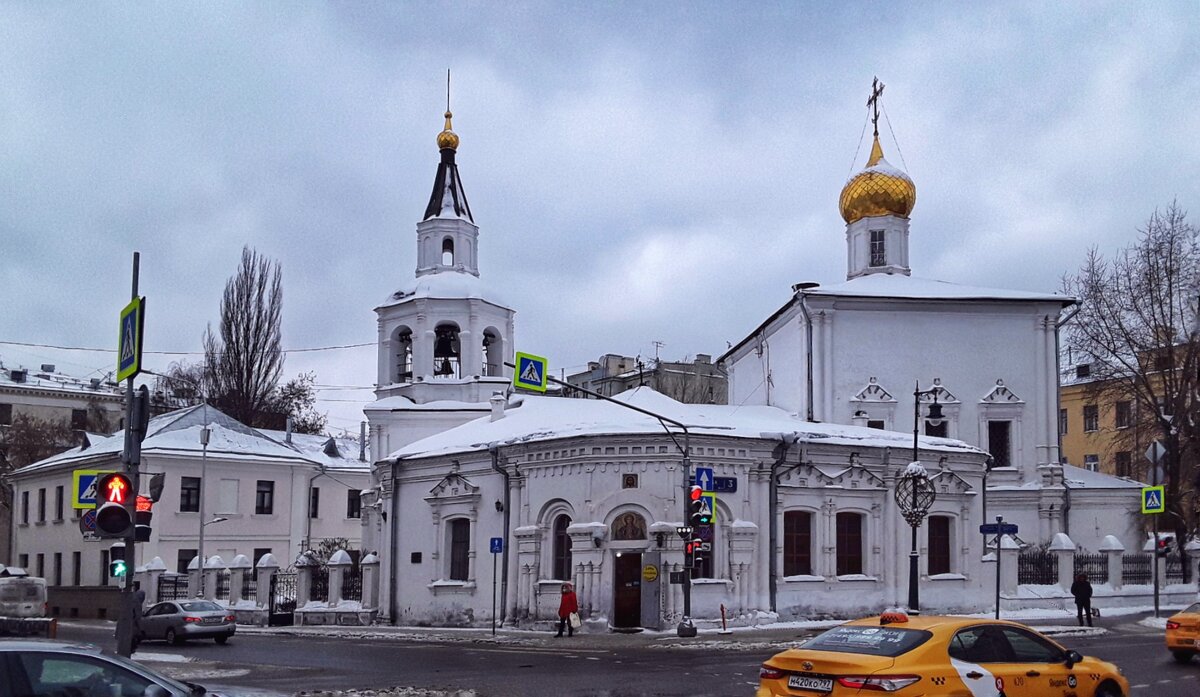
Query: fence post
154	571
1161	561
212	568
305	565
1064	549
1113	548
266	568
193	574
238	568
370	580
1192	549
338	562
1009	551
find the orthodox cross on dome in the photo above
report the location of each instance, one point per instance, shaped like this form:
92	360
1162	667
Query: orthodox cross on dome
872	102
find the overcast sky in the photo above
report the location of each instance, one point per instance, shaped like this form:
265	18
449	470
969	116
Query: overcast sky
640	172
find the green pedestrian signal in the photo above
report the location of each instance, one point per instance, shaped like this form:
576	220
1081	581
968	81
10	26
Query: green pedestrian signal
117	568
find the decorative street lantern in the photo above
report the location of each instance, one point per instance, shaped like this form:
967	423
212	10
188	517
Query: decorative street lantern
915	493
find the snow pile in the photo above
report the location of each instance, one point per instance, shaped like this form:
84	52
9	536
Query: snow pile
1154	622
914	469
391	692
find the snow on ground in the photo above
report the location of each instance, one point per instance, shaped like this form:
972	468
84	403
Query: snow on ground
390	692
1154	622
154	657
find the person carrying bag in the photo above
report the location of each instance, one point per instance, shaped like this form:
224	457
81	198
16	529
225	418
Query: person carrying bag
568	611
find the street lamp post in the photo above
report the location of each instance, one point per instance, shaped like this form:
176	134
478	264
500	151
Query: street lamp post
915	493
204	433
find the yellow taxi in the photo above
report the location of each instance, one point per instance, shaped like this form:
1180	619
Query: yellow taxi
927	655
1183	629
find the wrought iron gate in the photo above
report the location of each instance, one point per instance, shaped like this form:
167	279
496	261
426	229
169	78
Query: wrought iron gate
281	612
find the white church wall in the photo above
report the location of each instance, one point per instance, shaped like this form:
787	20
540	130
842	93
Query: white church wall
782	354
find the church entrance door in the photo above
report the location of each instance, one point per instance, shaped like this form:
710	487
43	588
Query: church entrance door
627	590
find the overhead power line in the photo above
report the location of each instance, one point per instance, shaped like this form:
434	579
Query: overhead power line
177	353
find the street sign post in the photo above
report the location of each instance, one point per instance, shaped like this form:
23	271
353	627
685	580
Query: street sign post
83	488
496	546
1153	500
704	478
998	529
530	373
87	526
129	344
1156	451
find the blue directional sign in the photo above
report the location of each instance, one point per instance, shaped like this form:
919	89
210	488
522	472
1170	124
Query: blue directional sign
998	529
530	373
497	545
129	344
704	478
725	485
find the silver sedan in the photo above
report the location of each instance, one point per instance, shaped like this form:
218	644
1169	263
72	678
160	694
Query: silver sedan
179	620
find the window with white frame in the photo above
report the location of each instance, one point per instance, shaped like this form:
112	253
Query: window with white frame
878	249
939	544
849	543
1000	442
797	543
1091	418
460	549
562	548
1091	462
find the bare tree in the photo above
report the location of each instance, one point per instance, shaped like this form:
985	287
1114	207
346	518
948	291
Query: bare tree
29	439
243	359
1137	323
297	399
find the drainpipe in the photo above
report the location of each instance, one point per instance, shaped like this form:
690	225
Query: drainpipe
799	289
786	441
1066	511
393	563
494	449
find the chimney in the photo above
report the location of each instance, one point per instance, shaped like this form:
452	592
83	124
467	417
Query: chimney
860	418
362	441
703	358
497	401
287	436
47	367
17	375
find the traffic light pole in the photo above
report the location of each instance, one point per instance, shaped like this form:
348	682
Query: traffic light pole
685	628
129	458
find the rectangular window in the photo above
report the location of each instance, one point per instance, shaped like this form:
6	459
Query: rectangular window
182	560
58	568
1062	421
1091	462
41	506
41	565
264	497
1000	442
227	496
878	251
5	415
1083	370
1091	418
353	504
1124	415
58	502
24	561
25	507
259	553
104	567
876	423
460	549
940	430
76	567
939	544
314	502
189	494
79	419
797	543
849	544
1124	461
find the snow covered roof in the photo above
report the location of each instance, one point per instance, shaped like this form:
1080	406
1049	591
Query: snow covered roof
443	284
179	432
334	452
547	418
20	377
402	403
886	285
1080	478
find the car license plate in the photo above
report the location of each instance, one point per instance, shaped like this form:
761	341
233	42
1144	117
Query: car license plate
213	620
804	682
1186	640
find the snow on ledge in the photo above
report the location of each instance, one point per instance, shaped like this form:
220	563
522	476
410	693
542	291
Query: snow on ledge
947	577
802	578
856	577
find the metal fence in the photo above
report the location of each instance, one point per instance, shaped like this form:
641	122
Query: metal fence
173	587
223	585
1136	569
1093	566
320	584
1037	567
1178	571
249	585
352	583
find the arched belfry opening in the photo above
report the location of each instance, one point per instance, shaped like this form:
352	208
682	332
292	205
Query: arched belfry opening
447	352
493	353
448	252
402	343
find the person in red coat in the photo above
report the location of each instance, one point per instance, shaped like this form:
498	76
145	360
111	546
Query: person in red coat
566	606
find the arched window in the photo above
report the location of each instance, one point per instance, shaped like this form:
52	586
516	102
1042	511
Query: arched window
403	346
447	252
460	549
849	543
493	353
939	544
797	543
629	526
562	548
446	351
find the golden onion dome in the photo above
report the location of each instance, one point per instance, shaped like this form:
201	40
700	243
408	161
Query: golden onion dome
447	138
880	189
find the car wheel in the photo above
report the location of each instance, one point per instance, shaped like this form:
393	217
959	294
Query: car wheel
172	637
1182	656
1108	690
221	639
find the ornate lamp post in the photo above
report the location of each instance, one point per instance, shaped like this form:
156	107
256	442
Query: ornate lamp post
915	493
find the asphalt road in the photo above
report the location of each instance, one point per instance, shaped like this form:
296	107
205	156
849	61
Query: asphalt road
615	666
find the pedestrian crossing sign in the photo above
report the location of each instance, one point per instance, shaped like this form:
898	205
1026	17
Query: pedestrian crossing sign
129	343
1153	500
530	373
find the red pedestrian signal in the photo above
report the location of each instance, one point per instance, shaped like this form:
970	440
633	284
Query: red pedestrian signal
114	488
114	517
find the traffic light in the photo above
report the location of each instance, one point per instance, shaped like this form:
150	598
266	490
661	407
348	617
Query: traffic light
144	510
696	558
114	518
117	565
1164	546
698	507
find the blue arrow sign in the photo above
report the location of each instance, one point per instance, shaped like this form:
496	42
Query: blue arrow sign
497	545
998	529
704	478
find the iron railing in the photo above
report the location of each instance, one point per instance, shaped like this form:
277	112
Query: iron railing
1093	566
1136	569
173	587
1037	567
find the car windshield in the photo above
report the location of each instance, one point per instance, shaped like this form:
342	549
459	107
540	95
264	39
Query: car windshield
874	641
200	606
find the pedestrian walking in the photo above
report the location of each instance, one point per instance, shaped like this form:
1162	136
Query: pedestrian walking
1082	590
568	610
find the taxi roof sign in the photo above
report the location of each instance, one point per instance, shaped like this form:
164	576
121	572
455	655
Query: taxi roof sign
129	342
1153	500
530	373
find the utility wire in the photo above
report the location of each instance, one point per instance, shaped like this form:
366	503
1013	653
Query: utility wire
894	140
178	353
